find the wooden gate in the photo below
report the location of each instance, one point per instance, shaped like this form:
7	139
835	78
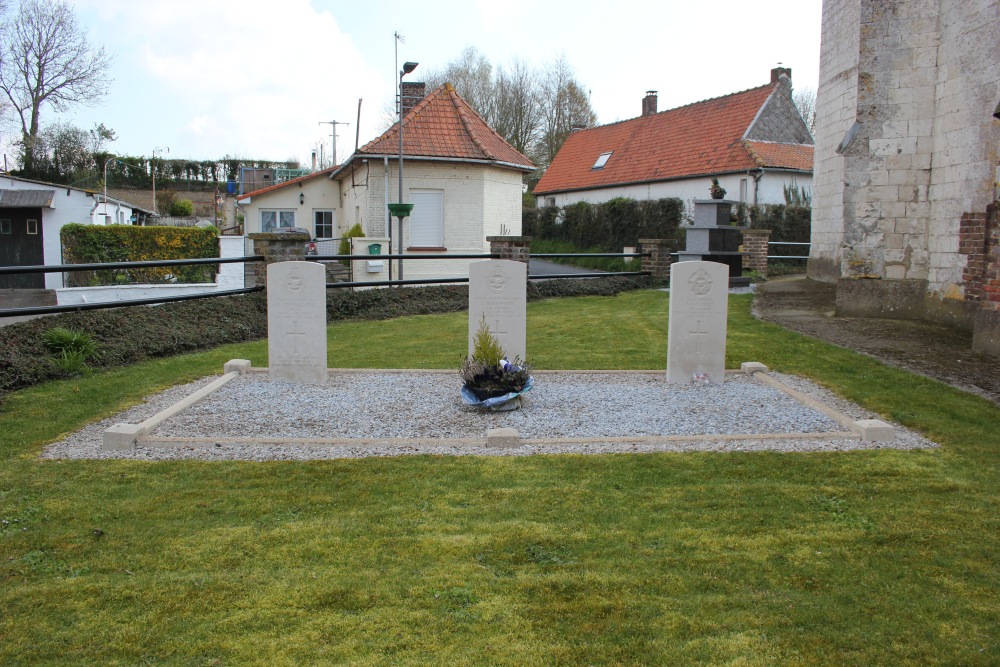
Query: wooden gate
21	245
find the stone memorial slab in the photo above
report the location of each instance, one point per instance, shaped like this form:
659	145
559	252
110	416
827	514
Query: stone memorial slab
498	289
699	305
296	322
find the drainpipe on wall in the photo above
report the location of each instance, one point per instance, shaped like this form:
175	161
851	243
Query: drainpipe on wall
756	183
385	207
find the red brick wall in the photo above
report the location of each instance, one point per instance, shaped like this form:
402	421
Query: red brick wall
991	274
979	241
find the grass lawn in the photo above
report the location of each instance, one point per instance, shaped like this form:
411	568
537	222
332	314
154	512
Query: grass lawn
862	558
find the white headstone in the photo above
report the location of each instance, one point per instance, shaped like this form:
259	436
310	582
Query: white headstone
498	289
699	305
296	322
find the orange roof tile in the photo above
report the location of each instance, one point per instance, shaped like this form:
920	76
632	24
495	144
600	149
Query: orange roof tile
694	140
782	156
443	125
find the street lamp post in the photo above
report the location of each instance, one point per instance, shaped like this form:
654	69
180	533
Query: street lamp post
407	68
167	149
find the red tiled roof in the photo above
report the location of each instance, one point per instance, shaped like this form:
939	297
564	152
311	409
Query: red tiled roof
782	156
278	186
694	140
443	125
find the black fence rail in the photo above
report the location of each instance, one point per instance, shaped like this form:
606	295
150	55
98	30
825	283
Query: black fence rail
250	259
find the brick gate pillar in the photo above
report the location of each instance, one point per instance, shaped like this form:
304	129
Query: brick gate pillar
755	243
516	248
658	263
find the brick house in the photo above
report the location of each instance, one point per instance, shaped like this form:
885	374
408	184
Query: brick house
754	141
464	180
905	213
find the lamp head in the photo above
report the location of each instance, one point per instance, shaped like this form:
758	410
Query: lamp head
408	67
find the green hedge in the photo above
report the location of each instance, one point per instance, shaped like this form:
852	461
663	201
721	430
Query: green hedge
86	244
131	334
610	226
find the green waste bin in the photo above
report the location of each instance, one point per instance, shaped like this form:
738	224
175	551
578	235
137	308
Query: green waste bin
375	249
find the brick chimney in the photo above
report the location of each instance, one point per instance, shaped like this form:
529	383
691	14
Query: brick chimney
778	71
411	94
649	103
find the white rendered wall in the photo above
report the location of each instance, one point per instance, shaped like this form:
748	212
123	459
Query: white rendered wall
769	190
319	194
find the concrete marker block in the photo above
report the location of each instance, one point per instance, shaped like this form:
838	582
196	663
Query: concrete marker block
241	366
874	430
503	438
751	367
121	437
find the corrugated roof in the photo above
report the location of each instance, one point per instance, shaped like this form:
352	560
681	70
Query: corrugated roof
695	140
443	125
27	198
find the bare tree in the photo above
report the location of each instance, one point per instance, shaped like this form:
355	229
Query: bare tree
805	101
45	59
518	105
533	110
565	107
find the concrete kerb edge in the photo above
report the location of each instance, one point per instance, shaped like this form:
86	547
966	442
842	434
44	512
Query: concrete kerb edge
126	436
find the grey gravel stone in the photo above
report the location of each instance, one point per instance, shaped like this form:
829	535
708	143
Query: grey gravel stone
392	413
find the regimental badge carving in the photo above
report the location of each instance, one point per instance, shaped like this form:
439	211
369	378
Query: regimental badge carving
294	280
700	282
497	279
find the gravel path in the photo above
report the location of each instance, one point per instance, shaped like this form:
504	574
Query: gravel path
390	413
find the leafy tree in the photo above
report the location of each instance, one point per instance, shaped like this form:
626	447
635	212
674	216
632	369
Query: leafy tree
45	60
180	208
565	107
64	153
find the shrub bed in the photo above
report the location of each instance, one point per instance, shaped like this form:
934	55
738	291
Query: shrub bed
131	334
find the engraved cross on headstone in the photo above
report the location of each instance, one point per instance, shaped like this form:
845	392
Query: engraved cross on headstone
296	335
700	336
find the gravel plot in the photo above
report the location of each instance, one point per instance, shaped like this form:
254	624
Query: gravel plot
390	413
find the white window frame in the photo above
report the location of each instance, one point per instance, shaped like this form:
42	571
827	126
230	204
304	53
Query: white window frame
333	223
281	216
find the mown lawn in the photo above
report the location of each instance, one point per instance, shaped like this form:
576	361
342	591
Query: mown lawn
863	558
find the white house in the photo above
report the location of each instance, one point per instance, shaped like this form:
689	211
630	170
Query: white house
463	179
31	215
755	142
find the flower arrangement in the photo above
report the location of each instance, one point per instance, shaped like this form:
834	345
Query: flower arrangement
489	378
716	190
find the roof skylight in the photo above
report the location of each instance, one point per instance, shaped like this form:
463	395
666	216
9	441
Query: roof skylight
602	160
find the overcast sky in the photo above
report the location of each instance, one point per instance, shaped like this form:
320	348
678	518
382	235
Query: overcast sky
211	78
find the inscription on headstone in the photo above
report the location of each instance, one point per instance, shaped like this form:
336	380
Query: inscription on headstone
296	322
696	339
498	291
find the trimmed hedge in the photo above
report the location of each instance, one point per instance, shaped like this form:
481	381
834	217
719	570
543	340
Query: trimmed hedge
131	334
610	226
87	244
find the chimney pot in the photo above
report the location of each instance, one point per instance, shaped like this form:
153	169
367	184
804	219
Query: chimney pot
649	103
778	71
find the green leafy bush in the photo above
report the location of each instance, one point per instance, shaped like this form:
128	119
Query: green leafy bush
181	208
610	226
71	349
484	373
86	244
345	243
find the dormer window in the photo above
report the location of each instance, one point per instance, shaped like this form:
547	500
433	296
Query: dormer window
602	160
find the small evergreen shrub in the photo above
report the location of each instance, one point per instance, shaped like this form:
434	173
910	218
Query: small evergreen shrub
488	372
181	208
345	243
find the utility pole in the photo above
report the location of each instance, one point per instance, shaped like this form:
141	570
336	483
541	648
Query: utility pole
333	137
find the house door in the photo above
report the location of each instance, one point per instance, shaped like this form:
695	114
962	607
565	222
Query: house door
21	245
